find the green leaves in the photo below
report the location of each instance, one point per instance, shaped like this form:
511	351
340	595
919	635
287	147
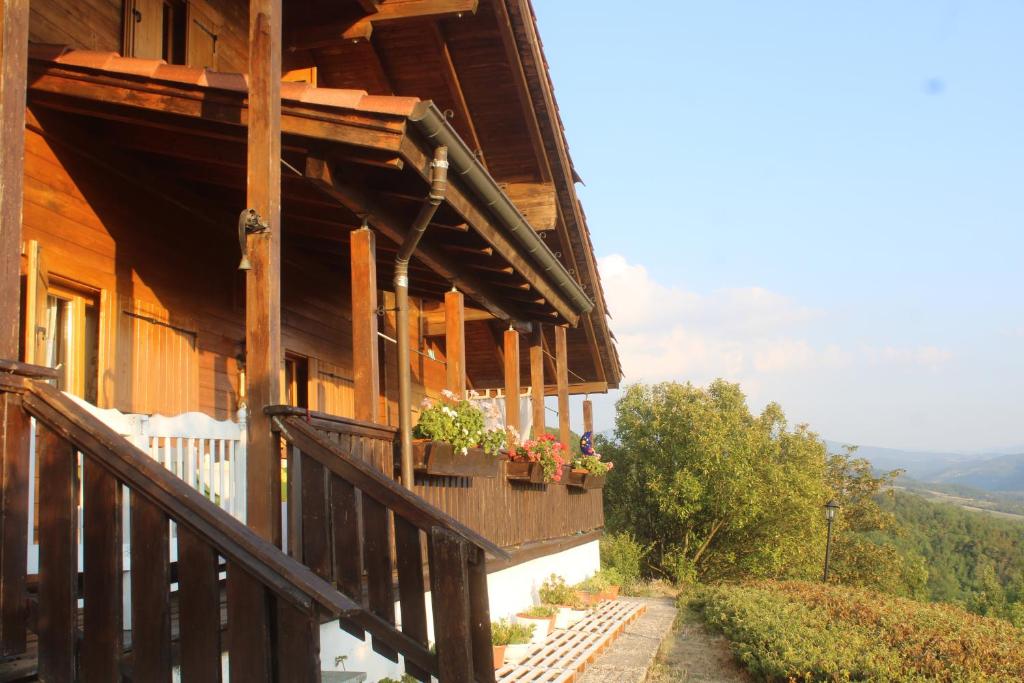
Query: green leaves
715	491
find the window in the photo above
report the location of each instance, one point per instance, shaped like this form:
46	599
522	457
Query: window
155	29
72	339
296	380
62	327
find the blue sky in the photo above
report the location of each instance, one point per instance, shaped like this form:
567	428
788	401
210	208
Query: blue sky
825	201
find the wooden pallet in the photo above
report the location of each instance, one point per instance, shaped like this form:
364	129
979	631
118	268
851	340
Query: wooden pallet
567	653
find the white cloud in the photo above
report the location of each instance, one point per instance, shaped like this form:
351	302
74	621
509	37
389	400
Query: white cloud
745	334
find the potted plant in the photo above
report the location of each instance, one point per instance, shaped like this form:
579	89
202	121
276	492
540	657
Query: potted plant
542	618
592	591
451	439
613	578
538	461
588	471
513	640
554	591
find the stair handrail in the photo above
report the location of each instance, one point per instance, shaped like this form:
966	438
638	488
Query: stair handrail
283	575
375	484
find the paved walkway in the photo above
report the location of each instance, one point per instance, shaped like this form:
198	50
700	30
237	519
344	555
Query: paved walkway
629	657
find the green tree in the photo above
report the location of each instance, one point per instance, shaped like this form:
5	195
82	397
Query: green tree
713	490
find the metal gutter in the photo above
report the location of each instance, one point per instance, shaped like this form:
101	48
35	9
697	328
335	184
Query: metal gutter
464	164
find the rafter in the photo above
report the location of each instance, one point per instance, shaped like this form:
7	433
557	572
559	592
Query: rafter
308	36
451	78
363	202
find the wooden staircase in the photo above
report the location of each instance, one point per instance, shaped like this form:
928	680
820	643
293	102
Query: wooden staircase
273	602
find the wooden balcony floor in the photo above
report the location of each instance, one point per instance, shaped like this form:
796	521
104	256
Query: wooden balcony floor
566	653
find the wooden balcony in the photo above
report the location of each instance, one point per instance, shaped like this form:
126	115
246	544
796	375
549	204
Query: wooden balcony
510	514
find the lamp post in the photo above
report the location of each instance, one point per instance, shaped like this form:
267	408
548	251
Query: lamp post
831	507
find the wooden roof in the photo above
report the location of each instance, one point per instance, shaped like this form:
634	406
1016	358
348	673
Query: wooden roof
486	69
360	146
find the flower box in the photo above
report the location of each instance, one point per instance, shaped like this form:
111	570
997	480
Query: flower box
530	472
583	479
439	459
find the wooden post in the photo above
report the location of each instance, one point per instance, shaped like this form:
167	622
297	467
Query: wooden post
14	488
13	77
455	341
537	379
365	358
512	388
588	415
562	372
263	284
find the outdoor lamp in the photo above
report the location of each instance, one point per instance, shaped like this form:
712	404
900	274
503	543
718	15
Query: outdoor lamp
830	510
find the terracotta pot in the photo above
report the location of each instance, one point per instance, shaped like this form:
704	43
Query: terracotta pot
541	627
516	653
612	592
588	598
499	655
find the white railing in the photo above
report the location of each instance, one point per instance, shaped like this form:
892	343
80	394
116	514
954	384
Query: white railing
207	453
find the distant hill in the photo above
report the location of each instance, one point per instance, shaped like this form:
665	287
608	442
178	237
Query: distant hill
922	465
1002	473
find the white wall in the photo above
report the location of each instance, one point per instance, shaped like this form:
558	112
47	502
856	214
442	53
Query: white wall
509	591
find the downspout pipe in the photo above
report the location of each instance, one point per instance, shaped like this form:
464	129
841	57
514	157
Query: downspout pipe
468	169
438	189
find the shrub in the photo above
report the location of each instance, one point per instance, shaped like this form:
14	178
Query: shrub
554	591
504	632
595	584
796	631
540	612
623	554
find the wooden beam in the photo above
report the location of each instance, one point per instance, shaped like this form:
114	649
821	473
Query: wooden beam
365	358
537	379
263	283
512	385
588	415
14	16
515	62
562	377
383	217
463	119
455	341
538	202
434	320
310	36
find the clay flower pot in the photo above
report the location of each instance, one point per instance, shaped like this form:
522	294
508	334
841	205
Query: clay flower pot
611	592
499	655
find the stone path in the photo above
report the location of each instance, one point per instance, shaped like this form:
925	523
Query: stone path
694	654
629	657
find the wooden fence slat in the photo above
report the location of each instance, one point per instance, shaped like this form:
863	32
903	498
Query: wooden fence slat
151	592
249	645
294	520
316	552
348	565
480	618
58	566
449	584
102	641
298	645
198	609
14	473
411	588
377	542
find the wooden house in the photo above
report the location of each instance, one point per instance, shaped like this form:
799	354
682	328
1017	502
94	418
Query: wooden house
285	222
